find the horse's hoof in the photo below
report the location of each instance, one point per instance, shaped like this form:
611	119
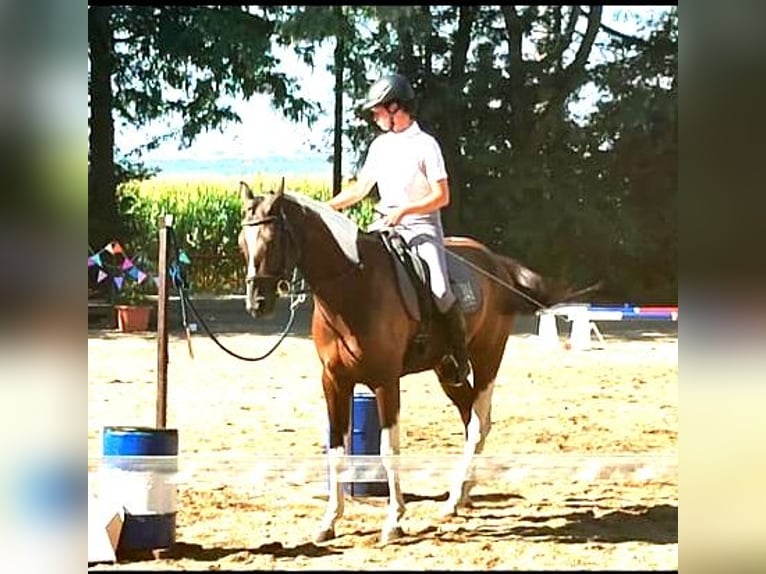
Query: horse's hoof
391	535
325	535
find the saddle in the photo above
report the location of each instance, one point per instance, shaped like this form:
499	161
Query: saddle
413	280
414	283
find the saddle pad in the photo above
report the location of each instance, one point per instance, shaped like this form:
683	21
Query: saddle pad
464	283
461	277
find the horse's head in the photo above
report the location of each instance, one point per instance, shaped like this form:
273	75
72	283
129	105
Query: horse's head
265	242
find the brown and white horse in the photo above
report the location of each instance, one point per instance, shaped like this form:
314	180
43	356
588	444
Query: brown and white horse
362	330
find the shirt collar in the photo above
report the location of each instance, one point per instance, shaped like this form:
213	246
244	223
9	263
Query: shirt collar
412	129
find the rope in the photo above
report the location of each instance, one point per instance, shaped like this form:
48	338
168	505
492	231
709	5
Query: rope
296	298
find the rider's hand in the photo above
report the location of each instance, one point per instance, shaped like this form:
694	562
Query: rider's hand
394	217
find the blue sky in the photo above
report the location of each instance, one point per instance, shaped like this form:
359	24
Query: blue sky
265	133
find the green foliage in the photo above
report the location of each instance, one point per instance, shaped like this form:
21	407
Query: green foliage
134	293
129	170
634	174
363	213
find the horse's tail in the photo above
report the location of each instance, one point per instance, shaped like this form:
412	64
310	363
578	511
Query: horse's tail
529	291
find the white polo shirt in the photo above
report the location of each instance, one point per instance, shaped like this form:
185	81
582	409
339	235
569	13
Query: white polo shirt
403	164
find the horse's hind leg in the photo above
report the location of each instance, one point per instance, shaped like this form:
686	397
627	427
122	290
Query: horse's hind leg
477	418
484	384
481	412
388	412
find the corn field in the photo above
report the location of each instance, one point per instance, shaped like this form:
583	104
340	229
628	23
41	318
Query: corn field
206	222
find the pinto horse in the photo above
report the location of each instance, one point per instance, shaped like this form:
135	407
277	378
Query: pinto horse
362	329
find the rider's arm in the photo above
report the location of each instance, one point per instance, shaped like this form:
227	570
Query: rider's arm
435	198
352	194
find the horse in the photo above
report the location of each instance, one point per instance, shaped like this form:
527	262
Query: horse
363	331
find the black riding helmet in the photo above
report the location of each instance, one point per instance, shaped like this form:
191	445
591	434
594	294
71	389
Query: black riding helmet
390	88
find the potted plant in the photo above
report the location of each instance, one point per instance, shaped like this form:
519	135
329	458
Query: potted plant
133	305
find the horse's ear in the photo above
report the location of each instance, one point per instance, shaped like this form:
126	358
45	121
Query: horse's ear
281	189
245	192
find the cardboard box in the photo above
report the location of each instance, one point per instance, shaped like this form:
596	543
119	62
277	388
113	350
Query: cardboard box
104	528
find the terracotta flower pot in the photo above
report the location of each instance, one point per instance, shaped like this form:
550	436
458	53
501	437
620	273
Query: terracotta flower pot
131	318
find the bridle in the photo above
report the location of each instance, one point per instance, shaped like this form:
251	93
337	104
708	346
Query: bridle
283	285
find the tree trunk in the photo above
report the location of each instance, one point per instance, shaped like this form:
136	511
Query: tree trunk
452	120
103	219
337	160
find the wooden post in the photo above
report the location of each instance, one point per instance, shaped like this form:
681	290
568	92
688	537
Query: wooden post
165	221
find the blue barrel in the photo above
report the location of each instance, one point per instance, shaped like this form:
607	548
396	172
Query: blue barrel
365	440
138	473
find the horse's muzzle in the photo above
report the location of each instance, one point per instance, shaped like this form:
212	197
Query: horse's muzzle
259	301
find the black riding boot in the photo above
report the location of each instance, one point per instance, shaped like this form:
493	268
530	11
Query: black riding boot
456	338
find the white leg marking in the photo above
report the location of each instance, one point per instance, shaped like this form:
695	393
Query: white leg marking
476	433
389	446
335	501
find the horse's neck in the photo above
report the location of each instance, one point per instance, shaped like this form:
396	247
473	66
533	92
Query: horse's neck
321	259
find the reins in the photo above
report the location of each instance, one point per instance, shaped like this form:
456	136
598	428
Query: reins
511	287
296	294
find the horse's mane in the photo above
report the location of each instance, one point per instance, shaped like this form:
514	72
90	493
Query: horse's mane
342	228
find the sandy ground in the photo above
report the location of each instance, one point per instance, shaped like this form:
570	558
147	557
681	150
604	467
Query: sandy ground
579	471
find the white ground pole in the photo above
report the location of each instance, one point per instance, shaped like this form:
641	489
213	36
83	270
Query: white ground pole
275	472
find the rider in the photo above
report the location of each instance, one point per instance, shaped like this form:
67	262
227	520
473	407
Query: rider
408	166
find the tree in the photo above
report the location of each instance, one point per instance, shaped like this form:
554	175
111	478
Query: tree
634	146
151	62
304	29
475	86
493	83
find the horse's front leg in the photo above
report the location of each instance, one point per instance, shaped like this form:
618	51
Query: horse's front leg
338	399
387	397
